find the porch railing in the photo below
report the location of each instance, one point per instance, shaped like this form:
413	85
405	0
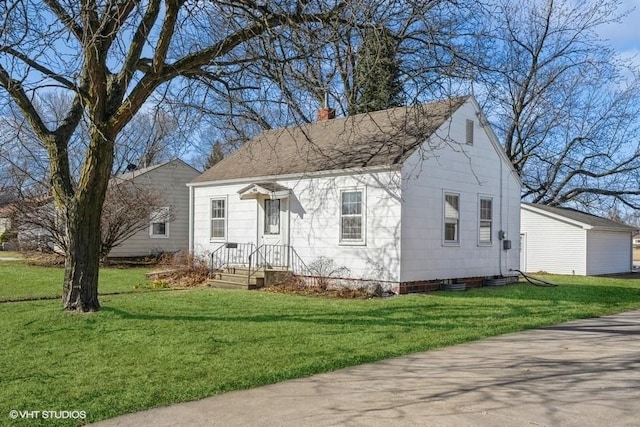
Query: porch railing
276	256
231	254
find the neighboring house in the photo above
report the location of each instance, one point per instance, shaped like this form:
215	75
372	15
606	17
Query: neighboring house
163	234
636	240
5	220
410	197
567	241
6	199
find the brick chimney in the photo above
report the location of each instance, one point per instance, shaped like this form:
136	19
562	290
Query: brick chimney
326	113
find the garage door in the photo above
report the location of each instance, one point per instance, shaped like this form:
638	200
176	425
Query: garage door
608	252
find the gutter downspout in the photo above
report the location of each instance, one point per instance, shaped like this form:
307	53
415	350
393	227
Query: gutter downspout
191	214
501	233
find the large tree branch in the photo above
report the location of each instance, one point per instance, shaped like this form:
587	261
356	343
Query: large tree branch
66	19
16	90
192	64
37	66
166	33
137	44
115	16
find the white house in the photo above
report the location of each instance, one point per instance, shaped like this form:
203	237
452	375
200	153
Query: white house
164	234
411	196
566	241
5	220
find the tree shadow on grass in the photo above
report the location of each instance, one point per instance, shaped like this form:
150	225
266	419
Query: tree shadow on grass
444	318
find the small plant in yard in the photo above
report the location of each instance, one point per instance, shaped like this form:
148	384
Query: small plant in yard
159	284
324	268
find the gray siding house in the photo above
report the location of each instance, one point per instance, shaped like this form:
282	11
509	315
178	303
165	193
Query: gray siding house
162	236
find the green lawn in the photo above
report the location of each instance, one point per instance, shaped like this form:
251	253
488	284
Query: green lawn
150	349
21	281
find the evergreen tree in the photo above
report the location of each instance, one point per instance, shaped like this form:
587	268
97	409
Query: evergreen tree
217	154
377	72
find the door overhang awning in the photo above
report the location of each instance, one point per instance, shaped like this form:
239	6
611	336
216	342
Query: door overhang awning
271	190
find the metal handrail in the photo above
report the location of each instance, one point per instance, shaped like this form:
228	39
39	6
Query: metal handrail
231	253
276	256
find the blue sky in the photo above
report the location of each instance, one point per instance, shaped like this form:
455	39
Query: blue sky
625	36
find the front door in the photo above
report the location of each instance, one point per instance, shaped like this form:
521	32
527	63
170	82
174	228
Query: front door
273	231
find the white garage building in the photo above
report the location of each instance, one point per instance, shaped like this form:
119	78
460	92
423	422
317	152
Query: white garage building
566	241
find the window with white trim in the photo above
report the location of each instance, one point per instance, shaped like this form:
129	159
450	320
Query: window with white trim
485	227
218	218
451	218
351	216
159	223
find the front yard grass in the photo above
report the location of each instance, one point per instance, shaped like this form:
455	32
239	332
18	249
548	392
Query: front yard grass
154	349
19	281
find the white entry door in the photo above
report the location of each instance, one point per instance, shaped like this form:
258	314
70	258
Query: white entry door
273	231
272	222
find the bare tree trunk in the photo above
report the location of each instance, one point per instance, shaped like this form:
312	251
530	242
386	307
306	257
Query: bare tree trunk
82	219
82	260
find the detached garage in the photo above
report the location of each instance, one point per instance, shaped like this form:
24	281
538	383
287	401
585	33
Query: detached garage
566	241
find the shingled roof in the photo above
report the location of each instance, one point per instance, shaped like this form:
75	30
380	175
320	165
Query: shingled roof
381	138
583	217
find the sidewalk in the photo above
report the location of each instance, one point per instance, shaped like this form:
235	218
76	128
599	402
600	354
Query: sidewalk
582	373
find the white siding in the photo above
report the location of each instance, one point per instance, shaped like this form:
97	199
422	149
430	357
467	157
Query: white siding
553	245
315	227
171	180
471	171
242	225
608	252
314	221
404	211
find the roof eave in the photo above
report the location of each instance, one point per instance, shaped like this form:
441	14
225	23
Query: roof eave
553	215
301	175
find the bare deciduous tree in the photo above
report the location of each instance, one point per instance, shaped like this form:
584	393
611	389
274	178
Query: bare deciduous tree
111	57
566	108
128	208
283	88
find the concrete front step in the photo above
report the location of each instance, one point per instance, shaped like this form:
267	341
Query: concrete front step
230	277
241	271
237	278
225	284
233	277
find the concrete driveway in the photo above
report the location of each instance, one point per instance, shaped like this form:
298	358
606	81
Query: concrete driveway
582	373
